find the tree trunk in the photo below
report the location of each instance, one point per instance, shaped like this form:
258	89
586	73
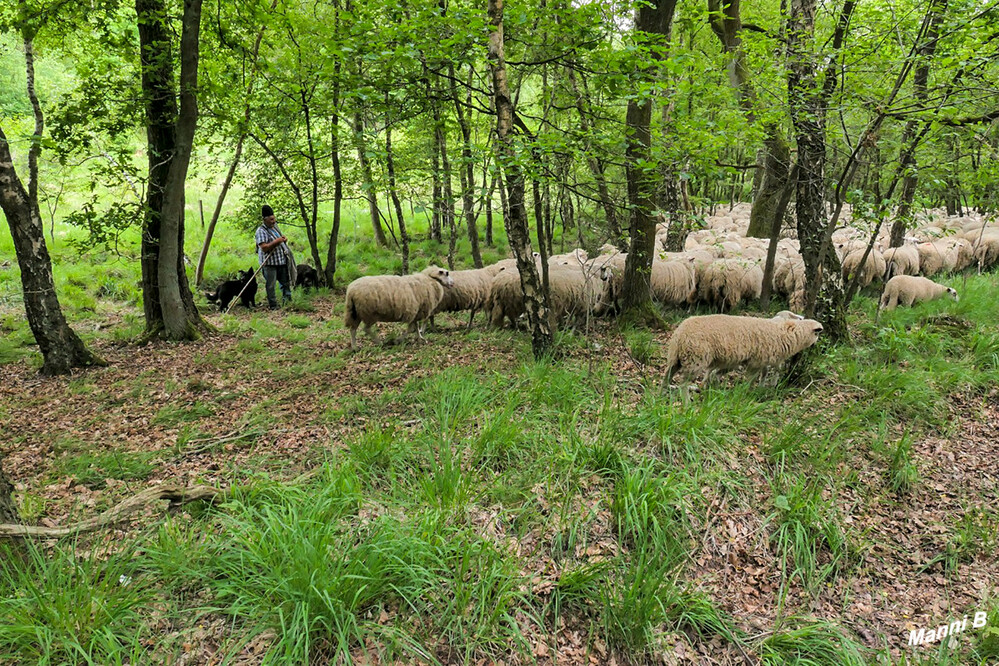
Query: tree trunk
8	511
337	176
489	208
768	267
516	221
776	158
437	216
595	164
653	20
312	219
368	184
467	170
919	82
807	103
61	348
394	194
227	183
167	299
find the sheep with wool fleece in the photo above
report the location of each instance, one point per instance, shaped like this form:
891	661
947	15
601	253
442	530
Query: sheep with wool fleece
469	291
873	268
903	260
909	289
702	345
410	299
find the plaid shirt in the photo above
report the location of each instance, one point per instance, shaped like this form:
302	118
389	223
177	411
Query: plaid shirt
279	255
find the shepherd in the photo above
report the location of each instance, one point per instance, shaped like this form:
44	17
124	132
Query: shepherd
274	255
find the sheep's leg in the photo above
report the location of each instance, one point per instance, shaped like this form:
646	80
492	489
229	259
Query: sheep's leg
471	316
419	330
353	337
412	328
369	330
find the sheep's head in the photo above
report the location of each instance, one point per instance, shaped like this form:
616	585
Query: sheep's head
809	328
953	294
441	275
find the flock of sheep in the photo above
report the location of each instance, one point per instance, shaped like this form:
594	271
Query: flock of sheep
720	267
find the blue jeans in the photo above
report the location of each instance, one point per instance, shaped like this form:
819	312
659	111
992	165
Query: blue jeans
280	274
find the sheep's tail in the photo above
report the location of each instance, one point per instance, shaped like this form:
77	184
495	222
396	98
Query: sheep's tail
350	318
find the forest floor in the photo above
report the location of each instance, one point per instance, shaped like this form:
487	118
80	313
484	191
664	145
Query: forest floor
495	508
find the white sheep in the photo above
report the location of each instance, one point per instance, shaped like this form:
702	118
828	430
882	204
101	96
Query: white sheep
469	291
873	268
506	298
909	289
575	291
577	257
408	298
702	345
987	248
673	282
727	282
902	260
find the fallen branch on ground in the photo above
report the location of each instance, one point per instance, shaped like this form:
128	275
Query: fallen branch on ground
176	495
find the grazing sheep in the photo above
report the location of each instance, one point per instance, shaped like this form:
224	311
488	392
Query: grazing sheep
931	257
610	267
909	289
728	282
873	268
408	298
470	291
574	291
987	249
673	282
506	298
577	257
702	345
902	260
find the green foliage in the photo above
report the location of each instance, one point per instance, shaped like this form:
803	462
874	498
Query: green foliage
69	607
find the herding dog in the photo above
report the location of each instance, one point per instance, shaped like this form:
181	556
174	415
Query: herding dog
229	289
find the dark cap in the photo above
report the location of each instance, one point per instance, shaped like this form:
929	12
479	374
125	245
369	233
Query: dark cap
266	211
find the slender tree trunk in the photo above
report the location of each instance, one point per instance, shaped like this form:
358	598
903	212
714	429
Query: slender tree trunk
919	83
467	170
593	162
8	511
390	167
489	208
230	174
337	175
768	268
368	184
447	196
516	218
437	216
61	348
774	159
807	101
652	22
312	219
226	184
